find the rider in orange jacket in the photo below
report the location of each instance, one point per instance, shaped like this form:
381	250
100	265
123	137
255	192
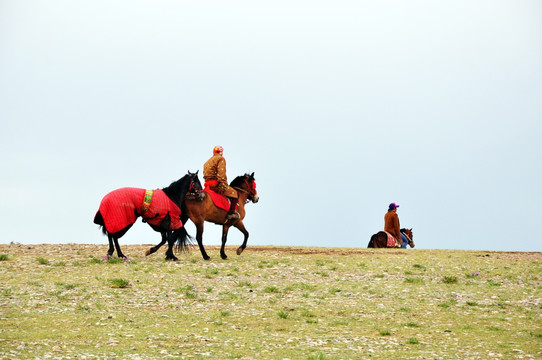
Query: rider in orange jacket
214	173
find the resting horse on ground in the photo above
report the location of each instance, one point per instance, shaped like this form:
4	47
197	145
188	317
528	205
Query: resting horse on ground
380	239
206	210
161	209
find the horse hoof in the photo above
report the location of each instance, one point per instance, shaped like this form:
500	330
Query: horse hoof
148	252
224	257
240	251
206	258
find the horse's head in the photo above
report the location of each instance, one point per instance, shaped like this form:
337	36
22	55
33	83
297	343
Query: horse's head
409	236
195	187
246	185
251	188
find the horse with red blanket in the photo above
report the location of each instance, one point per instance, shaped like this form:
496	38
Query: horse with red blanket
160	208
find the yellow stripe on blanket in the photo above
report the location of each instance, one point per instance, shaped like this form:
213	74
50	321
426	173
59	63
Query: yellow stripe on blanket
147	201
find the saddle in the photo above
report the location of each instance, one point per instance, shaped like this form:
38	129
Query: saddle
392	242
220	201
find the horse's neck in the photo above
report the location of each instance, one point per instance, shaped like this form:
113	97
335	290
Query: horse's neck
242	198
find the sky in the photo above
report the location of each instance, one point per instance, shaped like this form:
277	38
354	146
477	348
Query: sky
338	107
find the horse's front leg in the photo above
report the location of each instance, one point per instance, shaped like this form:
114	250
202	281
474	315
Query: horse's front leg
241	228
155	248
168	236
225	229
199	238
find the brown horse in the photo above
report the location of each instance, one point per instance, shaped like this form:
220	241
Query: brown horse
380	239
200	211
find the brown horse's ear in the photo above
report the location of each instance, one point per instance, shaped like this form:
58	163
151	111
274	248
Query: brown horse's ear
252	175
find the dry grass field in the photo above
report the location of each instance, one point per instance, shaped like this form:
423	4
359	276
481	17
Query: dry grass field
67	302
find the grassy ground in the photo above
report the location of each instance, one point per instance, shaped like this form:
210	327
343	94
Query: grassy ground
65	301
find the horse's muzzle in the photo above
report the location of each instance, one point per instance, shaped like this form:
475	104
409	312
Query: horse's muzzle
255	199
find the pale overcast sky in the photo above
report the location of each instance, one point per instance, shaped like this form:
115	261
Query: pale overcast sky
339	107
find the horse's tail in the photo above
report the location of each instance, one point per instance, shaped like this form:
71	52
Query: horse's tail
98	219
182	238
372	242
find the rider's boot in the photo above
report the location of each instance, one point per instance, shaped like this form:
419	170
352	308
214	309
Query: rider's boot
232	215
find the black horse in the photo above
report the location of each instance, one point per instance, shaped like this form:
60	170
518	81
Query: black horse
161	209
380	239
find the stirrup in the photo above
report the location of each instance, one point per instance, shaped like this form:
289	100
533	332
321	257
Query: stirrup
234	216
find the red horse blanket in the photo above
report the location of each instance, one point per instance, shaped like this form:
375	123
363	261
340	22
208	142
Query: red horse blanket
121	207
219	200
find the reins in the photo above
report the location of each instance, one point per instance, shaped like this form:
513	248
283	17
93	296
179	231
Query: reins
249	192
409	239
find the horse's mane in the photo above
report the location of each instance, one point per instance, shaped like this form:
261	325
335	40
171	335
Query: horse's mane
177	190
240	180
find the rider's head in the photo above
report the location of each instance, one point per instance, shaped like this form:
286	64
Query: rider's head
218	150
393	206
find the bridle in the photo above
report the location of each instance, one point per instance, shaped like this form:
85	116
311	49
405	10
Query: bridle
406	233
194	193
251	192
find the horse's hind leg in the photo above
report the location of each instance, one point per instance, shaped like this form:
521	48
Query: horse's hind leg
111	249
242	228
224	239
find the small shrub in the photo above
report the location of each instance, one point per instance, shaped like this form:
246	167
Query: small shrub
493	283
42	261
190	294
283	315
271	289
472	275
418	266
414	281
212	271
112	260
120	283
449	280
319	356
472	303
413	341
6	292
4	257
94	260
385	333
245	283
334	290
